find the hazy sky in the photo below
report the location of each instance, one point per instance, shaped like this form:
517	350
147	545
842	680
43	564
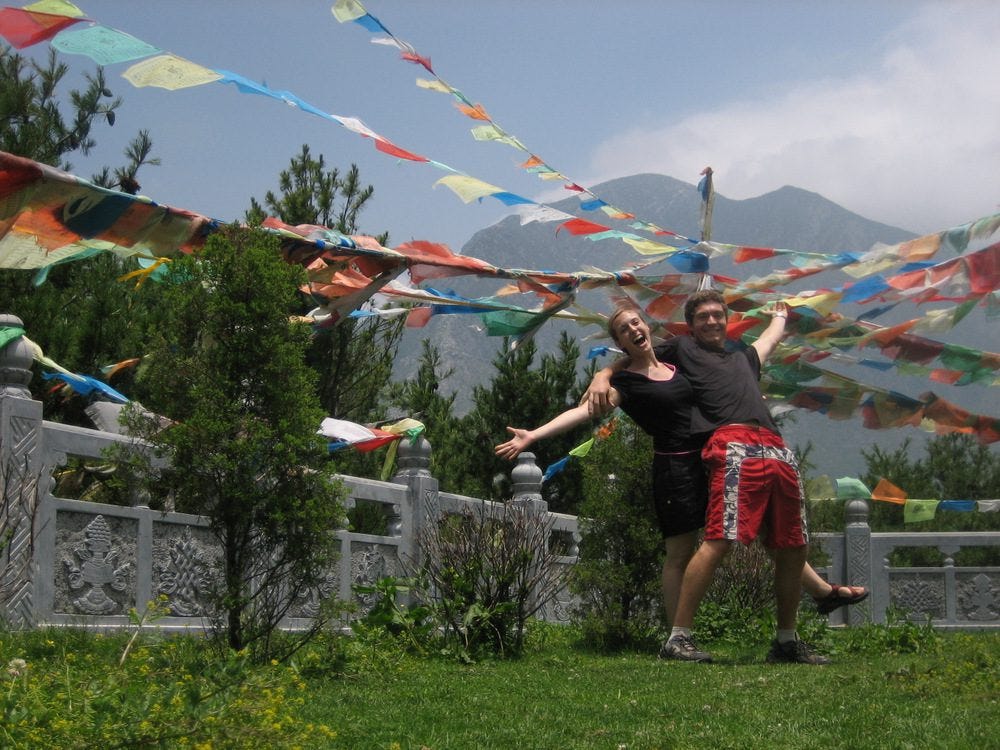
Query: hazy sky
887	107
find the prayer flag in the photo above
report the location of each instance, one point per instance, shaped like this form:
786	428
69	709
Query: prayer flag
850	488
919	510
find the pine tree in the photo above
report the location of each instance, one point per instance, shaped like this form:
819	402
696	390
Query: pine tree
354	358
520	396
79	313
421	398
228	367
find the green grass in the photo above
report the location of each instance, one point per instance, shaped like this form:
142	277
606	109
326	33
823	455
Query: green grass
887	688
562	697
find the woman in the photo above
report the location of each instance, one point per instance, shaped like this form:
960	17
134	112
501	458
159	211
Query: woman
659	399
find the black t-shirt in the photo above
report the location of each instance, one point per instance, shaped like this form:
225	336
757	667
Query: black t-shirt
662	408
724	383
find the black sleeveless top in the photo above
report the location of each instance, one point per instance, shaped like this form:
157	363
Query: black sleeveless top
662	408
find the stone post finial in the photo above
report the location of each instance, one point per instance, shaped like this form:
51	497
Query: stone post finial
413	458
15	362
527	482
856	511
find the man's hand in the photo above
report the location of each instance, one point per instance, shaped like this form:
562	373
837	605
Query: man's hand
777	309
598	394
768	340
517	444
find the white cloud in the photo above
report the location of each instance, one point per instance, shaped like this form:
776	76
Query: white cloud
914	141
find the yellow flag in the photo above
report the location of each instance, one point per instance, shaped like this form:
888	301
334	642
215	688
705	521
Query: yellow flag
348	10
55	8
648	247
169	72
434	85
466	188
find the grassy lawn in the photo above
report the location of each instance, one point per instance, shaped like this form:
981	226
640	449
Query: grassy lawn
882	691
562	697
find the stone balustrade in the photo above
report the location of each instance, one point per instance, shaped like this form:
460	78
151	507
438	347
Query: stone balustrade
72	562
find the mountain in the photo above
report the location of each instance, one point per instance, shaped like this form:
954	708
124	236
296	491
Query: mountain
789	218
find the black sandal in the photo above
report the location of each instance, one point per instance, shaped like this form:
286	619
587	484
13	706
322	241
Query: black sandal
826	604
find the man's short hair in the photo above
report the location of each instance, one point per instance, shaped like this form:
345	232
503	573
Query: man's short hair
700	298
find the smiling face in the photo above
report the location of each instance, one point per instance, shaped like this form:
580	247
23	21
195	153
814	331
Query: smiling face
708	324
630	331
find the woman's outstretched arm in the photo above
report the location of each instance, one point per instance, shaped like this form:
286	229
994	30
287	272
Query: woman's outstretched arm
555	426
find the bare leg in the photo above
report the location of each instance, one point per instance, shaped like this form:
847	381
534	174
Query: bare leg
788	564
679	548
812	584
697	579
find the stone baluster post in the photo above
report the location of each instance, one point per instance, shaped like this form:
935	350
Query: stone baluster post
413	468
526	478
857	548
20	457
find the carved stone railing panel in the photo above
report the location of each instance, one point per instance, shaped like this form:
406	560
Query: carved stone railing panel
921	595
97	564
979	595
370	562
949	595
186	565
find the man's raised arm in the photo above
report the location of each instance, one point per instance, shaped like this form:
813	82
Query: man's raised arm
769	339
598	393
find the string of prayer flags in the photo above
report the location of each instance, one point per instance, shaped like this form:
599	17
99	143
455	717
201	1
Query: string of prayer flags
916	510
37	232
887	492
342	434
407	428
603	431
24	28
67	381
171	71
85	385
354	11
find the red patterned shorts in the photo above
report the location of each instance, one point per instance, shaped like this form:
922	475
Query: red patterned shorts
754	488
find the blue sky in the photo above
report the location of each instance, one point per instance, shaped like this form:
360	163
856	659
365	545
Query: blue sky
887	107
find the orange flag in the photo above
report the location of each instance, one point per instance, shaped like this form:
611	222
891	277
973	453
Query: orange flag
887	492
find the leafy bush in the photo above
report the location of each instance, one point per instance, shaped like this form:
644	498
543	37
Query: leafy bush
617	576
486	573
68	689
739	605
413	624
229	368
899	635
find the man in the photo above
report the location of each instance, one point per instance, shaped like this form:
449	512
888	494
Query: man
754	484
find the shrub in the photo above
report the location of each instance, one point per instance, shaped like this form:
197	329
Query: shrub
68	689
617	576
487	572
899	635
739	605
